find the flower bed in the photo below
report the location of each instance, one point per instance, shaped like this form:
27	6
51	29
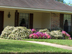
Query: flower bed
18	33
46	34
39	35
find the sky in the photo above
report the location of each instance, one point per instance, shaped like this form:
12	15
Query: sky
68	1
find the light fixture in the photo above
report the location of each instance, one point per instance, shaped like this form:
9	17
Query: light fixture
9	15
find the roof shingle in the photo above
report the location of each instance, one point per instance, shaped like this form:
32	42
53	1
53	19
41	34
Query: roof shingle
38	4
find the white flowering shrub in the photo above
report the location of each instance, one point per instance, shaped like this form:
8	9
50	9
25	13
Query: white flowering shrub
7	31
56	34
17	33
43	30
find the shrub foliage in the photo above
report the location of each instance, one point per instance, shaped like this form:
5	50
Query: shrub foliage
16	33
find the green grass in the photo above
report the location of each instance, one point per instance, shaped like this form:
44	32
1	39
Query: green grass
22	46
56	41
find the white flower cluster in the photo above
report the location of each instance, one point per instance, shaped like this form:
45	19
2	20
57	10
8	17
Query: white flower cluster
56	34
43	30
17	33
7	31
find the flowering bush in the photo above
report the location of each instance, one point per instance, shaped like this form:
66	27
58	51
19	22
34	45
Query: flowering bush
66	35
43	30
7	31
33	30
16	33
39	35
56	34
48	36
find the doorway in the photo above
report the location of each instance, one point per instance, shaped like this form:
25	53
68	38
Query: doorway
1	20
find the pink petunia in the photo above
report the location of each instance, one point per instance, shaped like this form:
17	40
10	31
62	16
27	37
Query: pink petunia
63	32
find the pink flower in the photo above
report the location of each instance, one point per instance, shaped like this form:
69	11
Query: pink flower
39	35
70	38
67	34
31	36
35	35
33	30
48	36
63	32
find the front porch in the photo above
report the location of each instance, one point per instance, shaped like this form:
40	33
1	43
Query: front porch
34	19
40	19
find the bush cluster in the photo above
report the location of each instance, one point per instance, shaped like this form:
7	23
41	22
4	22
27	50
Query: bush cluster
39	35
16	33
56	34
46	34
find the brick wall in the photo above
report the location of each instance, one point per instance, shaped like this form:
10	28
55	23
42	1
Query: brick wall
55	20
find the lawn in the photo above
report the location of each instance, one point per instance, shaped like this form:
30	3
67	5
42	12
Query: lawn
56	41
22	46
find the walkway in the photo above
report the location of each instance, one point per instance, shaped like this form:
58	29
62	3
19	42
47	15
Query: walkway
50	44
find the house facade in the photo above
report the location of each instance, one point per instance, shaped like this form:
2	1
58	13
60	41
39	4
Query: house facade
35	14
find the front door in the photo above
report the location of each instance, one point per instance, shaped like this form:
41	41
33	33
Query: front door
1	21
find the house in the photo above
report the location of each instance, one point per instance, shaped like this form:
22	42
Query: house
35	14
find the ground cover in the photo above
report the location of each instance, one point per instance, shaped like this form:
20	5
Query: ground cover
22	46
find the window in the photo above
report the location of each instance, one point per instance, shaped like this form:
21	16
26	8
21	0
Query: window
25	18
68	18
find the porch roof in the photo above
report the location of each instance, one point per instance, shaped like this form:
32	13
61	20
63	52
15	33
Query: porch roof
36	4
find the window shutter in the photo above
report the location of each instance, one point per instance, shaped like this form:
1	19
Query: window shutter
16	18
61	20
1	20
71	22
31	21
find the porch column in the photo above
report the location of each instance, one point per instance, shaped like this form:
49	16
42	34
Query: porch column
16	18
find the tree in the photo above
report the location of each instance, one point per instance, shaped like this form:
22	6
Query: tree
69	3
60	1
